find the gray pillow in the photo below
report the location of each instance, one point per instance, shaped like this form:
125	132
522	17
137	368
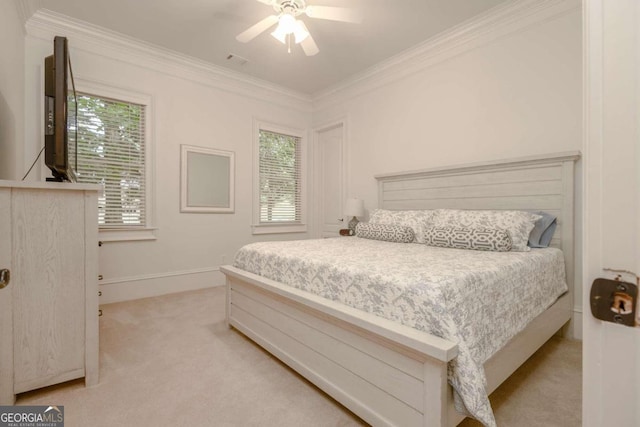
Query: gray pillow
542	233
518	223
478	239
385	232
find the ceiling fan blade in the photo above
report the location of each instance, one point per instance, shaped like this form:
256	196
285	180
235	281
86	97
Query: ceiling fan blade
308	44
253	31
342	14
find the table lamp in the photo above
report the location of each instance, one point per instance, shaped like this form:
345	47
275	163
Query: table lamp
354	208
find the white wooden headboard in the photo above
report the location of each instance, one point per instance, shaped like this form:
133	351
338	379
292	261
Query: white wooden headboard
537	183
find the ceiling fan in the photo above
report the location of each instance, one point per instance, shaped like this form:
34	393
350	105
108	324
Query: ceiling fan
287	12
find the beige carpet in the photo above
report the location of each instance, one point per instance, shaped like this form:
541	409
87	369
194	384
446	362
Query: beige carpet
171	361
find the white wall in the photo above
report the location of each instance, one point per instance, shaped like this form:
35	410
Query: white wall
190	106
11	90
513	93
516	95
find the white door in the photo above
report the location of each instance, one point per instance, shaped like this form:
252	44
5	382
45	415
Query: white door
330	180
6	299
611	353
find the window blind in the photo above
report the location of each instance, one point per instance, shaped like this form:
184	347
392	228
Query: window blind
279	173
111	152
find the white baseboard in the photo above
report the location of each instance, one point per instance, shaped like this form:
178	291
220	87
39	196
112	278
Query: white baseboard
575	326
151	285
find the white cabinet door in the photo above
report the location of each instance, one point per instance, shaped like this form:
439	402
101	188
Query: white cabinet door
49	310
6	306
49	287
330	166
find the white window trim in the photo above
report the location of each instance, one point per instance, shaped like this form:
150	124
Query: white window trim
129	95
257	227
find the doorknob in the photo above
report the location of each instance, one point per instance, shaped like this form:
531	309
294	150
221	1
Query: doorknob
5	277
340	219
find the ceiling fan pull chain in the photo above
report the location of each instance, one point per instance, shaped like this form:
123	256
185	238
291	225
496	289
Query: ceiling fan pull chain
289	43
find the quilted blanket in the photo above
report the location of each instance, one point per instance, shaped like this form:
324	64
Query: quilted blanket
477	299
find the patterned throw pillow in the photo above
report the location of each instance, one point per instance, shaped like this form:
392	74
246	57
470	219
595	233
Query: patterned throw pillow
518	223
386	232
418	220
479	239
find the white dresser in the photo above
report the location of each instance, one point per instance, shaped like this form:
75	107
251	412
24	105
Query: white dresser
49	304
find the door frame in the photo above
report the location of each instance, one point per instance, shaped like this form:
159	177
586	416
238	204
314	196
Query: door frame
601	364
316	231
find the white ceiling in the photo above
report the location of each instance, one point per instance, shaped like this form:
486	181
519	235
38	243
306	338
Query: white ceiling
206	29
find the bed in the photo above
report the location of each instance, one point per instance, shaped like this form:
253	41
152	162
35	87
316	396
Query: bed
386	372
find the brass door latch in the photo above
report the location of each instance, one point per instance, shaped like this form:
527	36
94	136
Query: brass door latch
613	300
5	278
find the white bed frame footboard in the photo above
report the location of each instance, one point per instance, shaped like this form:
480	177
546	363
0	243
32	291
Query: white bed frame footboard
387	373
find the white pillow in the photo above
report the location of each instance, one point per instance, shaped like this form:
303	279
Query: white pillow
518	223
418	220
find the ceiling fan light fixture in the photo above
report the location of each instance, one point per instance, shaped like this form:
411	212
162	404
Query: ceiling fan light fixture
300	32
287	12
279	35
286	23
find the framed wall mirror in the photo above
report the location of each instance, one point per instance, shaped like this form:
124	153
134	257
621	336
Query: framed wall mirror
207	180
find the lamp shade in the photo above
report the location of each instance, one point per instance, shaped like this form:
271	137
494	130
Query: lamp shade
354	207
280	35
287	23
300	32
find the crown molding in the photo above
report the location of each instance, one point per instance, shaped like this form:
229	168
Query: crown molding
502	20
45	24
26	8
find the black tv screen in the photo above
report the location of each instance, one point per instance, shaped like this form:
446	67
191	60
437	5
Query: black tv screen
60	114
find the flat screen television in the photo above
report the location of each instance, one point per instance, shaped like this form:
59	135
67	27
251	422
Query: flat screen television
60	114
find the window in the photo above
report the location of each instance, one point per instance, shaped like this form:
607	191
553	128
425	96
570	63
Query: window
280	184
112	152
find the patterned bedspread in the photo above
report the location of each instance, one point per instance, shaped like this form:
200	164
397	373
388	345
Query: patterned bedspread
478	299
